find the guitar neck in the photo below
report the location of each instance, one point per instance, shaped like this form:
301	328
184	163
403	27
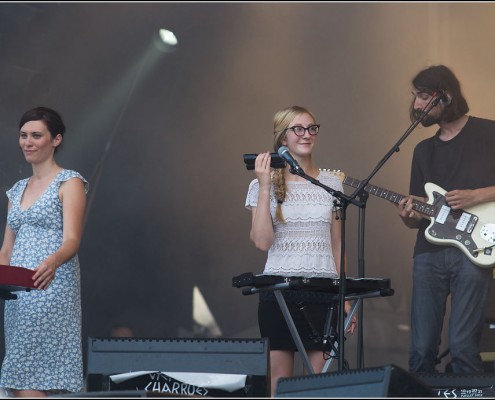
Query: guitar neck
419	206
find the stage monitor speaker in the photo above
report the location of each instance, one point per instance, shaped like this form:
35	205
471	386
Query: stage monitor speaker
386	381
159	366
459	385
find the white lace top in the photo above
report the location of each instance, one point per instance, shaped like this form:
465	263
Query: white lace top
302	245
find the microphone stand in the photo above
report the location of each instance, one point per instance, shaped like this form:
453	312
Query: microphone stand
342	203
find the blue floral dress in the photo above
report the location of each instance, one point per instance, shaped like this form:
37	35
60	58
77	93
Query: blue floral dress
43	328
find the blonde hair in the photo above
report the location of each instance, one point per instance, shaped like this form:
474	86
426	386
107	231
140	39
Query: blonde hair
281	121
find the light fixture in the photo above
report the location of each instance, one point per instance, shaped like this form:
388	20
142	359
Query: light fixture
165	40
167	37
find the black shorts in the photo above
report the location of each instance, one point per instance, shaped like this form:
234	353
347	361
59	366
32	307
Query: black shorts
309	313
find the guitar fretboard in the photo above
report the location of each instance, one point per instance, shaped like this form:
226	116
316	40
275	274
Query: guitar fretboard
420	206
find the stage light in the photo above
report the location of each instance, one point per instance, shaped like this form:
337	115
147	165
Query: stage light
167	37
165	40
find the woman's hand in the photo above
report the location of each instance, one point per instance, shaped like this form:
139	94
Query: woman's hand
45	274
262	169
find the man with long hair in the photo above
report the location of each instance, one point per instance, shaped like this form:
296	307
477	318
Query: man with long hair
460	158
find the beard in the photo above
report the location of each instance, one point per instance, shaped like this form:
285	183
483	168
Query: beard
431	118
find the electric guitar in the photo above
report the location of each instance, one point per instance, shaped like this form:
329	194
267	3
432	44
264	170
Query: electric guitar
471	230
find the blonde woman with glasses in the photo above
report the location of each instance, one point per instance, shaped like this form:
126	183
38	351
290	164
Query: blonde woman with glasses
296	222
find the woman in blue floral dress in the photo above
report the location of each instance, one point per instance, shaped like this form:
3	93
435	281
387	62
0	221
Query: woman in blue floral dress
43	232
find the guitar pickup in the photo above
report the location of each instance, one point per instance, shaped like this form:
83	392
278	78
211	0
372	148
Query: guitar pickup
463	222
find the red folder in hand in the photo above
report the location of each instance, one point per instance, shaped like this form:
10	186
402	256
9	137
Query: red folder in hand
14	279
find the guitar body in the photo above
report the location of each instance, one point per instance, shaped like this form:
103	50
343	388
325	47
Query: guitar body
469	229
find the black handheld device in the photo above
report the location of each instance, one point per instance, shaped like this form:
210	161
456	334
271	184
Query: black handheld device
276	161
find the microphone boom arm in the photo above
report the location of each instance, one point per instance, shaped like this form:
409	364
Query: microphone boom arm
395	148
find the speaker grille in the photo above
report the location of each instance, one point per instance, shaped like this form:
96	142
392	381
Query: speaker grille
387	381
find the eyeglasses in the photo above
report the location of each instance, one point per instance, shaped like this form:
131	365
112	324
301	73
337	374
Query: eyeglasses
301	130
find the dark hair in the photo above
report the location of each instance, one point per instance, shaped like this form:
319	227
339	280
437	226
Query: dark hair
440	78
51	118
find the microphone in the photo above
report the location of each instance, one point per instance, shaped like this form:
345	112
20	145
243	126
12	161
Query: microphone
444	98
283	152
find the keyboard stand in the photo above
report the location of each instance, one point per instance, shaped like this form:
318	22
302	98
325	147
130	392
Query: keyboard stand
293	331
357	301
276	288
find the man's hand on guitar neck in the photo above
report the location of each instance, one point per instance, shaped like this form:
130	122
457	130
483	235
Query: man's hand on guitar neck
405	210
